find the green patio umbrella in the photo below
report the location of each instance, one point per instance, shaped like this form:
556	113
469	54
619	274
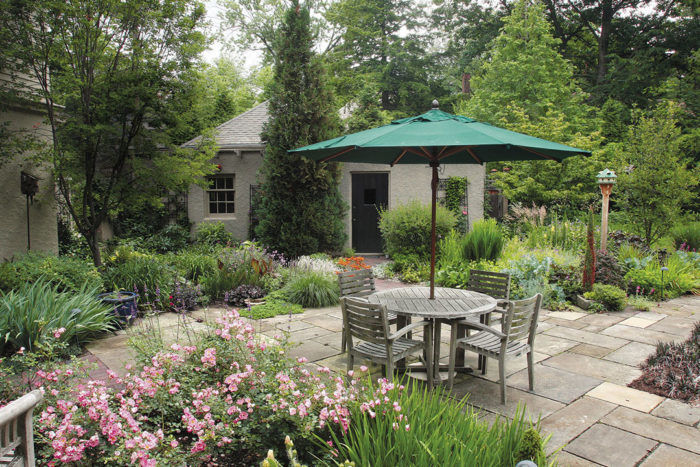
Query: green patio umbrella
435	138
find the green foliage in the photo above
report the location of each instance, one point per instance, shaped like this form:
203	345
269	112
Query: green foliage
485	241
451	249
116	70
438	432
654	178
406	228
313	290
148	275
640	303
32	313
531	446
172	237
683	275
687	236
558	234
611	297
68	274
454	200
192	265
301	209
615	117
213	233
272	307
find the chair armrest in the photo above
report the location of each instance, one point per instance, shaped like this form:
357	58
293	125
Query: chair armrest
483	327
408	328
502	303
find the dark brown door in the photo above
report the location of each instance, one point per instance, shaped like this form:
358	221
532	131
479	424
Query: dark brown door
370	193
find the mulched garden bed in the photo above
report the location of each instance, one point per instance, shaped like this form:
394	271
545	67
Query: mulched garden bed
673	370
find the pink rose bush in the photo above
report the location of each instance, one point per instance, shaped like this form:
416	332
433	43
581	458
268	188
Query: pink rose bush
223	401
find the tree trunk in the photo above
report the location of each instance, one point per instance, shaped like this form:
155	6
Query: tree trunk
94	246
606	16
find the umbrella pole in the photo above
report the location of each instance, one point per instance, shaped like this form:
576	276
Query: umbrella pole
434	187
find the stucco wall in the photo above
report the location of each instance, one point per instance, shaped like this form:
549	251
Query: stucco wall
412	182
406	182
42	213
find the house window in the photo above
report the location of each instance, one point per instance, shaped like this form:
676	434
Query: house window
221	194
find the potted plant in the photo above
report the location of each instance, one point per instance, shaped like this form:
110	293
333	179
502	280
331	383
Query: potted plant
123	303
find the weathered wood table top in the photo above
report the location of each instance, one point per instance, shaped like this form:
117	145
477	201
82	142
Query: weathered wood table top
448	303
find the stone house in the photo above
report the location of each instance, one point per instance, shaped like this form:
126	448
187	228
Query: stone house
24	222
365	187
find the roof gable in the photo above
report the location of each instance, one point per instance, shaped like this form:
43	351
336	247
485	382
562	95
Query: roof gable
243	130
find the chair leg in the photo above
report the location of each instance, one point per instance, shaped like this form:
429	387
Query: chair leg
483	364
351	361
343	341
531	369
453	355
389	370
428	352
502	377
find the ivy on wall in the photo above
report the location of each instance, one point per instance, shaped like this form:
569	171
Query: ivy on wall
455	200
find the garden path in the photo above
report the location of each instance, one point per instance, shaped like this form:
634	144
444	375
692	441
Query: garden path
584	363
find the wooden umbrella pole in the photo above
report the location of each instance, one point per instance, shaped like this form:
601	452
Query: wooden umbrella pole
434	186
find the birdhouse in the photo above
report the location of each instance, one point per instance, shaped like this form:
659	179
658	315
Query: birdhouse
606	177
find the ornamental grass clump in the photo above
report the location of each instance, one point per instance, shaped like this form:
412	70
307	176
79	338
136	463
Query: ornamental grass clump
313	290
29	314
485	241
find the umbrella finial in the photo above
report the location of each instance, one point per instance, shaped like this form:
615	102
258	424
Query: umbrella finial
436	105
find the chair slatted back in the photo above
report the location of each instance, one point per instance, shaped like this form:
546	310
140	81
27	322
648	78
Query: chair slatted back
493	284
356	283
364	320
521	318
16	432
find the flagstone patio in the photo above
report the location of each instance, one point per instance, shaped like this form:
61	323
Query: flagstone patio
583	364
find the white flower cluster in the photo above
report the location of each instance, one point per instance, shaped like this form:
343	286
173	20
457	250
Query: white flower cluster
326	266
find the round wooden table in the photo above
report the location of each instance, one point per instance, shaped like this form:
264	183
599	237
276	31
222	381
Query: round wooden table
449	304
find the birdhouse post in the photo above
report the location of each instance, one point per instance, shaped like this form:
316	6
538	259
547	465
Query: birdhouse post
606	180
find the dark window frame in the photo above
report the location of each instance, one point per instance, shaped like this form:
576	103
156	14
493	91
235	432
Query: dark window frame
221	194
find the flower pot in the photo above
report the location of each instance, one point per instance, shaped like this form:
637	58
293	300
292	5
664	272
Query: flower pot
582	302
123	303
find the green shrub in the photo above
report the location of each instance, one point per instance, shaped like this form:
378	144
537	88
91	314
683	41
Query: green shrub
172	237
439	431
608	270
683	275
271	308
558	234
406	228
192	265
313	290
451	250
213	233
485	241
235	267
34	311
148	275
687	236
67	273
611	297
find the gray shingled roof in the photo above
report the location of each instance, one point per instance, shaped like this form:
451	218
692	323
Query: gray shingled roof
241	131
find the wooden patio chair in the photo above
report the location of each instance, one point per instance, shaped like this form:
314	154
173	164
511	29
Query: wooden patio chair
519	323
16	431
369	323
493	284
358	284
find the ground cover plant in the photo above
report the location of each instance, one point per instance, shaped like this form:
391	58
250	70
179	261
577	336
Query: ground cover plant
673	370
66	272
31	313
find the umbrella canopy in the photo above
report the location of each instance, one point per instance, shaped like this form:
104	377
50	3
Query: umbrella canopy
435	138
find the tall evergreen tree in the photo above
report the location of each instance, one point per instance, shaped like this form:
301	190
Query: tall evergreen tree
301	210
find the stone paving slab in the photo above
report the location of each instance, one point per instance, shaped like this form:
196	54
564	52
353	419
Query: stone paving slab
631	354
513	365
554	383
312	333
611	446
585	337
567	315
569	422
567	459
678	411
595	367
628	397
647	425
552	345
677	326
590	350
669	456
575	324
487	395
645	336
604	320
636	322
